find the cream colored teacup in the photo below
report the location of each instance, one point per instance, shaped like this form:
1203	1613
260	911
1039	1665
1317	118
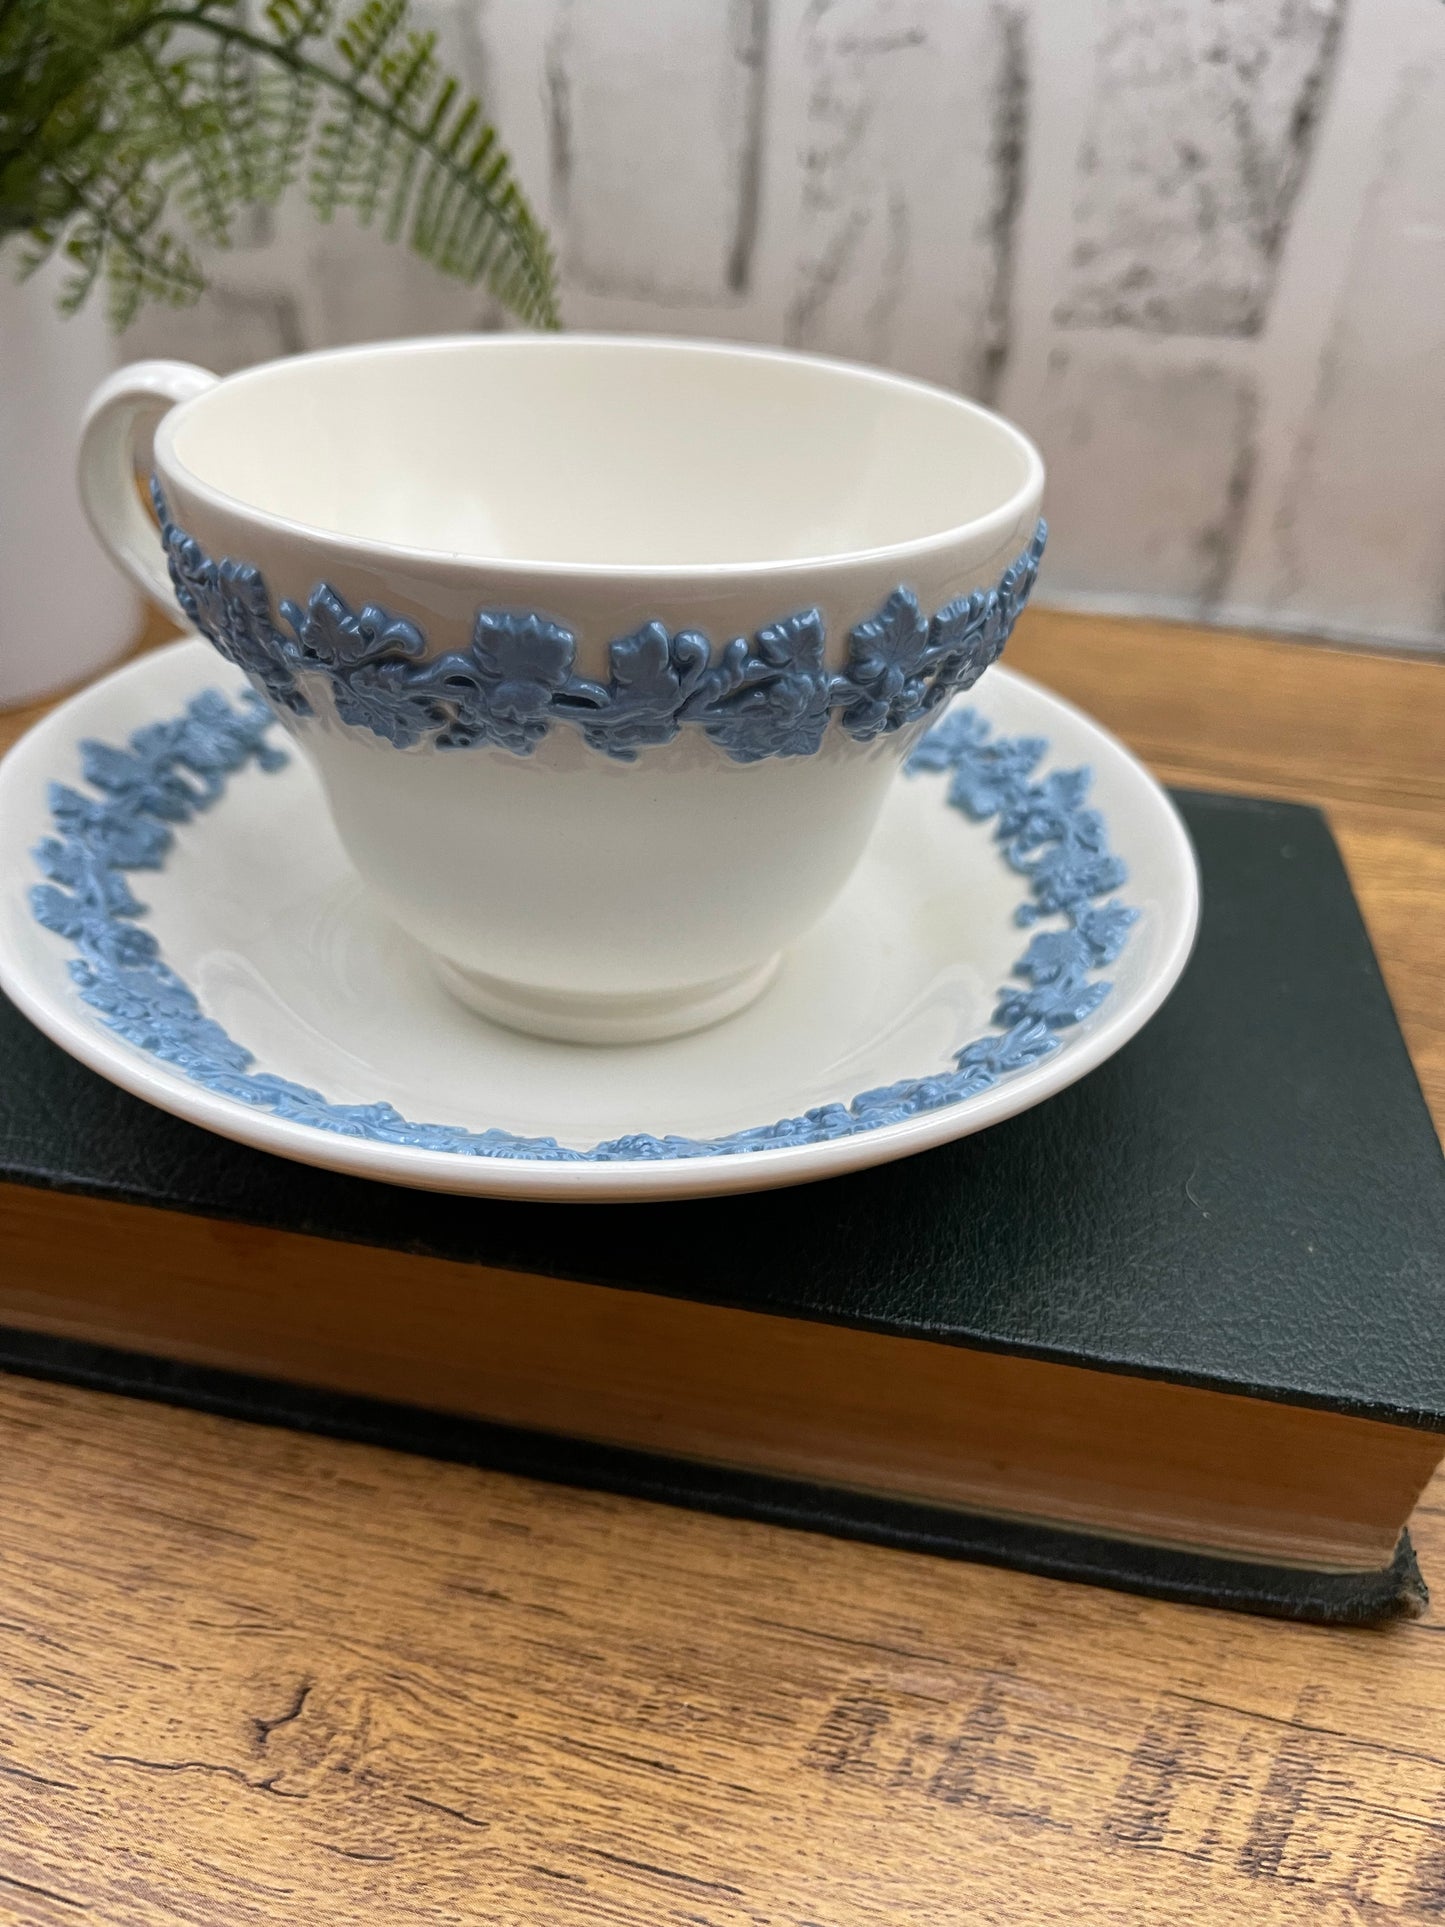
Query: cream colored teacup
606	649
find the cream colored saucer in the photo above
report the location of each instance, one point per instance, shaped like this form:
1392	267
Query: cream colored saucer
183	937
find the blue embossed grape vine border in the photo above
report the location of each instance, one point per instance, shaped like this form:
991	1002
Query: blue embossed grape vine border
170	771
771	694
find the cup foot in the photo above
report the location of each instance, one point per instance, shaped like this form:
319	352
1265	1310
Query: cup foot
633	1018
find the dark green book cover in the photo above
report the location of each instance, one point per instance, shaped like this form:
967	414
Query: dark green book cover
1250	1197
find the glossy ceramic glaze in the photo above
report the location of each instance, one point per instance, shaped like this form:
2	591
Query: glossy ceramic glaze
847	1058
606	651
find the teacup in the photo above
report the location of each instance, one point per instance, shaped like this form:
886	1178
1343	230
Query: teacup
606	649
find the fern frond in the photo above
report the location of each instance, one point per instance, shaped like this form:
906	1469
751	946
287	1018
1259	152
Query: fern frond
236	87
116	118
407	75
341	146
403	137
186	131
116	229
293	21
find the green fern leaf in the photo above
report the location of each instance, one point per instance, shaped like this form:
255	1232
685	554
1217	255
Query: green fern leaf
121	121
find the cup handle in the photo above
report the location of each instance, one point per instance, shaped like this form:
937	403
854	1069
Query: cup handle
117	437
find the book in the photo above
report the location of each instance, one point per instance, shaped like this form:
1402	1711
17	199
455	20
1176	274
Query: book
1181	1329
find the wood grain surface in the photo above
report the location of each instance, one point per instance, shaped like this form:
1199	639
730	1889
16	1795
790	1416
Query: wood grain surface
249	1676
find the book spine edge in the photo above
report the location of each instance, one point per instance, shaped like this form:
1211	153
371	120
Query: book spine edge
1394	1591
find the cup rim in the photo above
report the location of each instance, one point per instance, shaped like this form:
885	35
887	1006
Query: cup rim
991	530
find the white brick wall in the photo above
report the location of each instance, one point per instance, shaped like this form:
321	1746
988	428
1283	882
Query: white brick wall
1197	247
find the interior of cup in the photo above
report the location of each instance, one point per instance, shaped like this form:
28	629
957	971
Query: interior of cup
584	450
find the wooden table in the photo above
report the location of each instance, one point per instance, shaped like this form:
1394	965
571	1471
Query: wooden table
248	1676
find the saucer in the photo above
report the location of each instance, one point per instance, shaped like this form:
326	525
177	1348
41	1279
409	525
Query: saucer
1028	901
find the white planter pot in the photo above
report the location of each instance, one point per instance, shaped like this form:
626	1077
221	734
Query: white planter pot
65	611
